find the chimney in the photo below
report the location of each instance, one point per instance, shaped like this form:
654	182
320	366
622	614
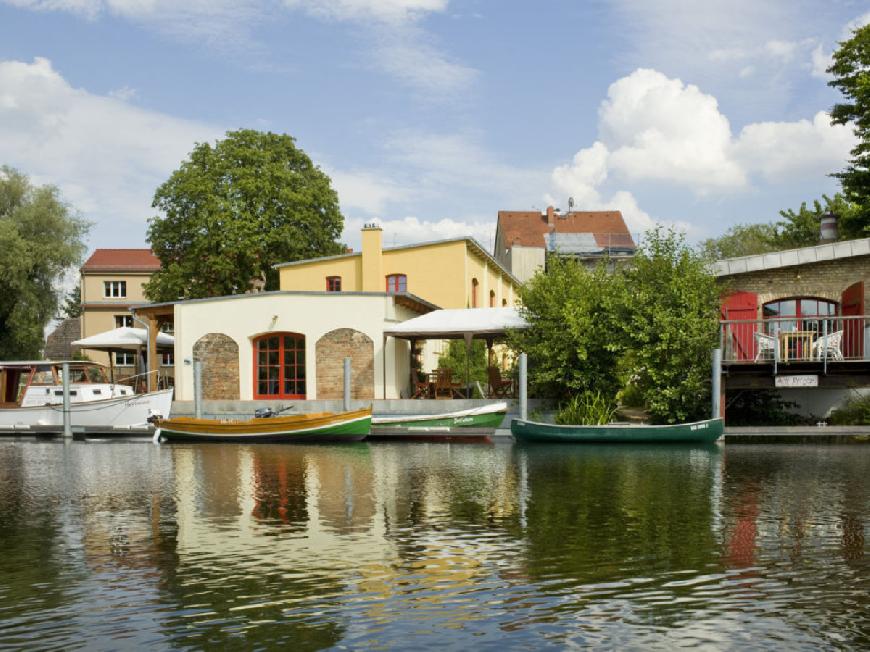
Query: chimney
550	216
372	266
828	231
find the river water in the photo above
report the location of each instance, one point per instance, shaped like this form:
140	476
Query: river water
415	545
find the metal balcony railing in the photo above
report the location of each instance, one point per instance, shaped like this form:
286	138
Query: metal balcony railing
785	340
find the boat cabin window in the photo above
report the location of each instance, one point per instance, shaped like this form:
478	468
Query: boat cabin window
43	376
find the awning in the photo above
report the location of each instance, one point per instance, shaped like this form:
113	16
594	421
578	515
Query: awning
459	324
123	339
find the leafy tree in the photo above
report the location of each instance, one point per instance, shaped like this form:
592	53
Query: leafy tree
851	72
801	228
741	240
234	209
72	305
573	345
40	238
454	359
669	325
645	331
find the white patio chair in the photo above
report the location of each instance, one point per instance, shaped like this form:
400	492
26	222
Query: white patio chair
831	343
766	343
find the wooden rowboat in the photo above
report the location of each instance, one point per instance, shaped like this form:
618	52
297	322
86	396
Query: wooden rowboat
476	422
700	431
308	428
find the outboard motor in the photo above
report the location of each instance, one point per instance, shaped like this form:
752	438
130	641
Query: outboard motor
264	413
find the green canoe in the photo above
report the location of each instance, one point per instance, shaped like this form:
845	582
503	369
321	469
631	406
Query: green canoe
700	431
474	422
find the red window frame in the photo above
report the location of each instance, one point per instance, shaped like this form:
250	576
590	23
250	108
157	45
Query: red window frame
279	366
397	283
333	284
474	284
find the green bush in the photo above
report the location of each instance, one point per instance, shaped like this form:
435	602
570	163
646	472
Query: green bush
764	407
856	412
586	409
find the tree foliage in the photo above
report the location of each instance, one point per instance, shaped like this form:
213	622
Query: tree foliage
797	228
40	238
454	358
72	303
645	330
234	209
851	76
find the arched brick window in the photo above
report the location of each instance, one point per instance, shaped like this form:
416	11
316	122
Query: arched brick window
279	366
397	283
474	286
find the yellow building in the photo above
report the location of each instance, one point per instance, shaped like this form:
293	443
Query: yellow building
455	273
112	281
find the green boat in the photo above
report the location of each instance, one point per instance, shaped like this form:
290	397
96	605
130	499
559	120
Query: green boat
472	423
699	431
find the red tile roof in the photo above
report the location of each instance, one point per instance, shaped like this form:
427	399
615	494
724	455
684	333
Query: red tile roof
122	260
527	228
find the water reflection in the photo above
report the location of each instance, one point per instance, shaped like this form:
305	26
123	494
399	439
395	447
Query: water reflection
402	545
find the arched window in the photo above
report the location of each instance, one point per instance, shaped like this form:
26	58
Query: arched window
474	285
397	283
333	284
504	303
806	314
279	366
492	298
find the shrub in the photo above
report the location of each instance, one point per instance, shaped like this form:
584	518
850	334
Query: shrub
586	409
856	412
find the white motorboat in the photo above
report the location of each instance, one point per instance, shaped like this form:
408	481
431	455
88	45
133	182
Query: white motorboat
31	394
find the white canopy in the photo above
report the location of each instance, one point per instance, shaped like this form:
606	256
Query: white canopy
457	323
131	339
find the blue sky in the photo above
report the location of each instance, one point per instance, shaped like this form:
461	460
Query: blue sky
433	115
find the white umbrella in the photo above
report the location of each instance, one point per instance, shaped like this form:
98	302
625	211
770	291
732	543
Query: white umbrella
123	339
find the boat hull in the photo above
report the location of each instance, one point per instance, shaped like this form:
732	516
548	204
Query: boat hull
305	428
698	432
465	424
107	413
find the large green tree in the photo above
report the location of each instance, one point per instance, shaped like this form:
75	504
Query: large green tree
40	238
234	209
851	76
641	334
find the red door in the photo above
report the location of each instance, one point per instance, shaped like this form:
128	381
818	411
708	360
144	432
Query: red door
739	338
852	304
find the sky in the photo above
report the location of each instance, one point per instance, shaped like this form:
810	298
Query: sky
433	115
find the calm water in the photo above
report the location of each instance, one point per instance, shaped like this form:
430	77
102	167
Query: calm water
121	545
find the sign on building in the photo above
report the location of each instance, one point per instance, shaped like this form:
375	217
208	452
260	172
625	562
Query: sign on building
794	380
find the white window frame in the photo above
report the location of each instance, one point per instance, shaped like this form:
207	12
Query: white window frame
115	289
123	362
167	355
127	321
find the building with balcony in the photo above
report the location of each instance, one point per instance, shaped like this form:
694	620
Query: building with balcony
796	320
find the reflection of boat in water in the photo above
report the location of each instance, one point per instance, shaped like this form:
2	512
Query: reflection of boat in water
308	428
476	422
699	431
31	394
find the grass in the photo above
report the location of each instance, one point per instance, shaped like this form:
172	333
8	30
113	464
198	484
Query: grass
586	409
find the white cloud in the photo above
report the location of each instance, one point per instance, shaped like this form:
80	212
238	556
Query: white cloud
652	128
387	11
784	151
105	155
366	190
409	230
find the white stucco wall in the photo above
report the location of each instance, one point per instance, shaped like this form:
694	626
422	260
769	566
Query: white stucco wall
245	317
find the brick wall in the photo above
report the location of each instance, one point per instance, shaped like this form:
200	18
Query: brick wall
825	280
219	354
331	351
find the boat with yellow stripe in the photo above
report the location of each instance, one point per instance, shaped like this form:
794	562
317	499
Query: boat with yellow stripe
308	428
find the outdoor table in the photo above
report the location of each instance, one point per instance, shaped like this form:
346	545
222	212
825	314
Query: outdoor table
796	345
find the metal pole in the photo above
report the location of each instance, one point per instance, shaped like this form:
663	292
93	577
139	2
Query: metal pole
347	384
824	345
717	383
197	388
67	417
147	350
524	397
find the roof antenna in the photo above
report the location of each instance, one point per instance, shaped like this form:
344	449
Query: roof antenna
570	204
